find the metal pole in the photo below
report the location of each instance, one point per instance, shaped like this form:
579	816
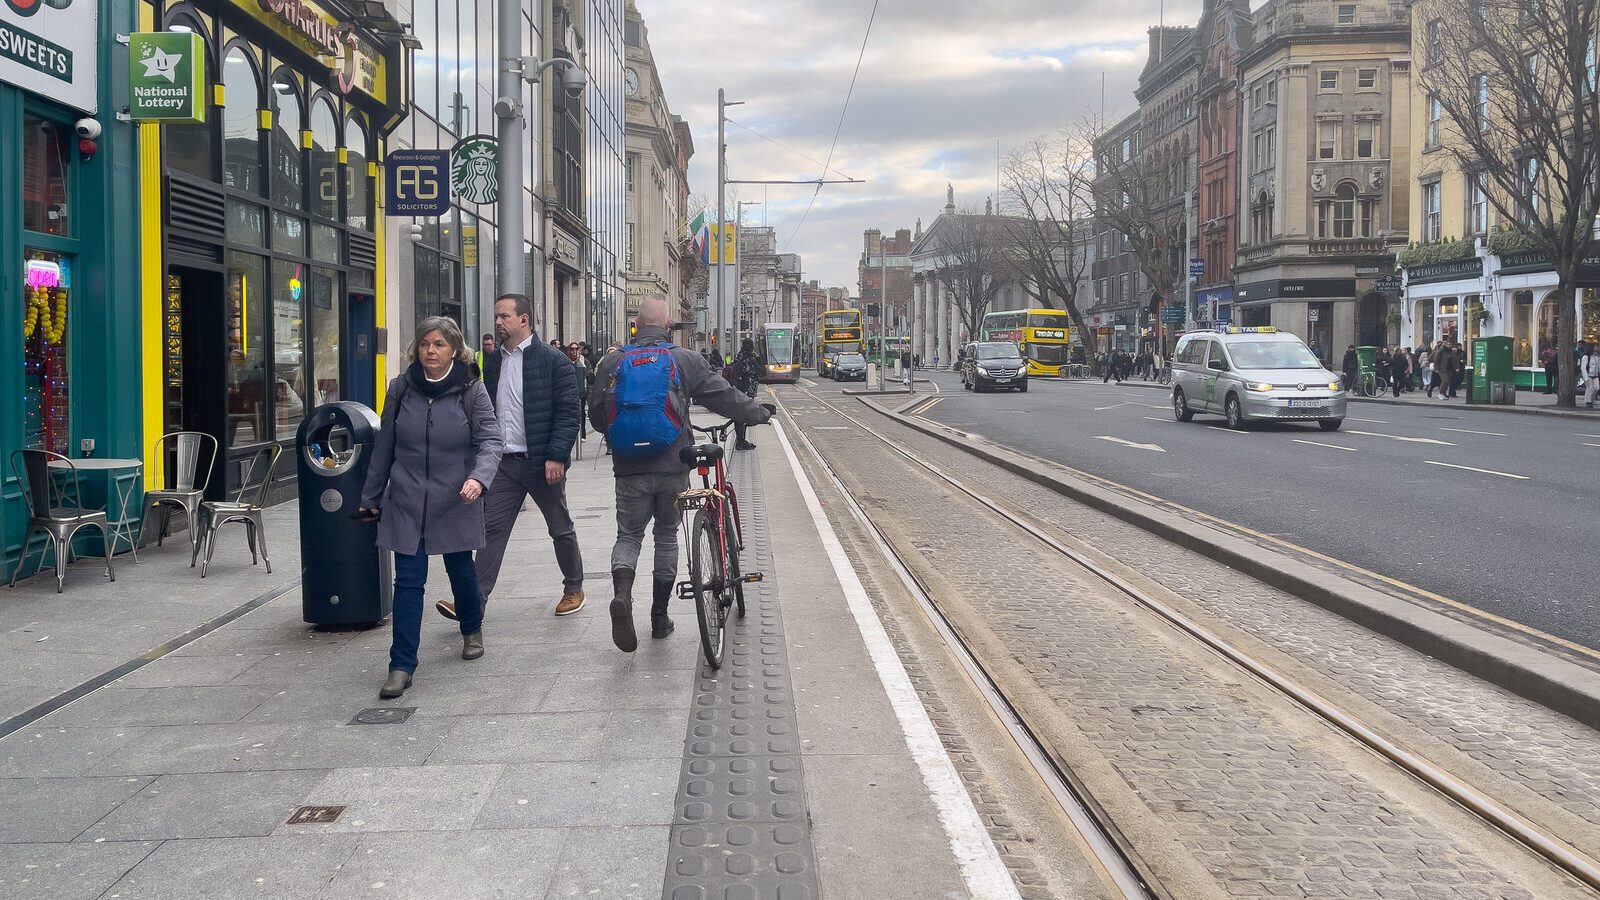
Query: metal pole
1188	252
883	311
722	208
513	272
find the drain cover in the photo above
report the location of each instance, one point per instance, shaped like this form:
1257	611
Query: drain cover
383	715
316	815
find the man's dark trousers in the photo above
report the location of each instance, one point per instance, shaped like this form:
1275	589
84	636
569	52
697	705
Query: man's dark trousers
518	478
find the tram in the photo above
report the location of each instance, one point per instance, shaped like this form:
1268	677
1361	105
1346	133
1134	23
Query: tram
779	343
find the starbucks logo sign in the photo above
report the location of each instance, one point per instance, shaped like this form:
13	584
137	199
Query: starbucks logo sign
475	169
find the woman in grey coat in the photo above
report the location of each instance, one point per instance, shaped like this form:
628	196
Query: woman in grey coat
437	453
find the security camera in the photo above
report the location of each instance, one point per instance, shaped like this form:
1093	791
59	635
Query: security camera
507	108
574	80
88	127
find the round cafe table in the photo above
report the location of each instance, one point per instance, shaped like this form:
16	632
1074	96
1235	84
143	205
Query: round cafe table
122	482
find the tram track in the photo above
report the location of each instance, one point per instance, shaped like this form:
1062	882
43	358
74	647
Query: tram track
1077	803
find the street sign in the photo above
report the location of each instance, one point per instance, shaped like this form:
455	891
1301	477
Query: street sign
1314	315
1173	315
1197	268
416	182
166	77
475	169
1388	283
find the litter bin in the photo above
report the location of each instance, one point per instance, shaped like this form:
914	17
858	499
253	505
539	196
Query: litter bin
344	578
1366	372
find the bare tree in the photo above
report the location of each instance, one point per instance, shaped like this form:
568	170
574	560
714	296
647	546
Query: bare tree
970	263
1048	202
1509	96
1137	196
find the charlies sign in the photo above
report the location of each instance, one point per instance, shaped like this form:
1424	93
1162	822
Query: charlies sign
333	38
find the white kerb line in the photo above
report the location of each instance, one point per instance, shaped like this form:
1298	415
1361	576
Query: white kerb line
985	874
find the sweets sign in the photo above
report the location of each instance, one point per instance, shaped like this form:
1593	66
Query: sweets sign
61	66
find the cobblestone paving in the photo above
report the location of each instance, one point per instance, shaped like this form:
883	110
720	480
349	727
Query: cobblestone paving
1269	801
1552	757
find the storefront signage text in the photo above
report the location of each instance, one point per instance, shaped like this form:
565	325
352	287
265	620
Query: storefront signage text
1285	288
166	76
1445	271
329	36
416	182
475	169
61	66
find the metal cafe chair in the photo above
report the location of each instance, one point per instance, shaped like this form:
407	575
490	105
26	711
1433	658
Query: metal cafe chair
56	508
185	481
246	508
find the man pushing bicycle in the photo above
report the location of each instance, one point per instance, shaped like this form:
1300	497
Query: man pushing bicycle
640	400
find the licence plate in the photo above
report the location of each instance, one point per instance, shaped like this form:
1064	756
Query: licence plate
1002	378
1305	404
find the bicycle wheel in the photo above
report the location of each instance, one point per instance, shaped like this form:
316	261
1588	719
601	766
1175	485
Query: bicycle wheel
736	582
705	573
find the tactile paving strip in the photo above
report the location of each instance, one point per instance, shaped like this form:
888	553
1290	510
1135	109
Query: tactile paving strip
740	830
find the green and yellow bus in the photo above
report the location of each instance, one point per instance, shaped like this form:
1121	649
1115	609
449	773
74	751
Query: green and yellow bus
1043	335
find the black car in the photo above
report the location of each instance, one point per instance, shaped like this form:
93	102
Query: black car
849	367
993	364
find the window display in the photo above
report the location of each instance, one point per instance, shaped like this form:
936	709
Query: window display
47	285
46	166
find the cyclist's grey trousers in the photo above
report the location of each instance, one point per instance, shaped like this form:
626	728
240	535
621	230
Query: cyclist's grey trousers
639	499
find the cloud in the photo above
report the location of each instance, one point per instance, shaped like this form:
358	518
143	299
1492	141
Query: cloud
940	84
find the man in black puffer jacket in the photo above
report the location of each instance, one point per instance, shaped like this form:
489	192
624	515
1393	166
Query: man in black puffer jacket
535	392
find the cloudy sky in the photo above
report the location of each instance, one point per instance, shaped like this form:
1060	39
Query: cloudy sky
940	83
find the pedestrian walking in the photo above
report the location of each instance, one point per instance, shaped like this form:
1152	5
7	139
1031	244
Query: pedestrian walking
1589	374
534	388
1350	365
1444	367
1550	359
641	398
1425	364
1315	348
1458	367
580	366
746	377
485	347
435	456
1399	370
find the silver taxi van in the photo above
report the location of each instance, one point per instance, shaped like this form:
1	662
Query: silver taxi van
1258	373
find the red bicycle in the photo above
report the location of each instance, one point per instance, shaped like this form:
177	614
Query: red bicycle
714	536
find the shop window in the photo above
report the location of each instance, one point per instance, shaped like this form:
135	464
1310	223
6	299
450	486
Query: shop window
247	223
46	170
1422	320
1449	319
324	161
357	189
325	346
247	349
1522	328
1589	329
1547	324
288	234
47	284
1473	305
241	124
288	347
324	243
288	166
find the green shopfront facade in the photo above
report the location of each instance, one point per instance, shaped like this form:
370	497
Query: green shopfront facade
69	243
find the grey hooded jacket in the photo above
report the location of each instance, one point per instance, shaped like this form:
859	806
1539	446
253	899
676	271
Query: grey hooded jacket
424	454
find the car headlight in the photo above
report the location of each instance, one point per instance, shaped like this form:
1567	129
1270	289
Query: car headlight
1333	385
1260	387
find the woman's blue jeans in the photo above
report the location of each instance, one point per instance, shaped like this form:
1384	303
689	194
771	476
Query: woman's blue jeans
410	576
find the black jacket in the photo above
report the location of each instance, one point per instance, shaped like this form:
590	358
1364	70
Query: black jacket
550	395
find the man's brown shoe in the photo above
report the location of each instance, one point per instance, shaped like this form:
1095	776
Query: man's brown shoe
446	609
571	602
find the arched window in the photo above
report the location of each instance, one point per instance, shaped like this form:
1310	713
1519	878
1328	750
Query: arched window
241	123
1548	309
324	161
1344	210
288	170
189	148
358	194
1521	328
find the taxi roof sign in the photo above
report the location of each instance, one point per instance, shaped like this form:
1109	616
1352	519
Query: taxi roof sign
1250	329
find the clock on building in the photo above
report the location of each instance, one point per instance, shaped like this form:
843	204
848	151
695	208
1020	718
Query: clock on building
630	82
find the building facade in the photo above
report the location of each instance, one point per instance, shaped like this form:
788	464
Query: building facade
1168	134
658	151
1225	31
1327	120
881	256
1118	279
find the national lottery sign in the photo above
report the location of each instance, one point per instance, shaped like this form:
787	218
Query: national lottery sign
166	77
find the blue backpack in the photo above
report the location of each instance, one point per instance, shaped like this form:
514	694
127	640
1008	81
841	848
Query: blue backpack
643	421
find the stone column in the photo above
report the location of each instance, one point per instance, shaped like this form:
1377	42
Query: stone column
941	307
955	331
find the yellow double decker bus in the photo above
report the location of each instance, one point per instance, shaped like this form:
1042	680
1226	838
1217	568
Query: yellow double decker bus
838	331
1043	335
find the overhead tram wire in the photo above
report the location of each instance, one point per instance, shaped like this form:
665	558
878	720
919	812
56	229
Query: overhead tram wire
837	128
782	146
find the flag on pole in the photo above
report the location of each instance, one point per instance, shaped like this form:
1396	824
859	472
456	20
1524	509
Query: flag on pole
701	242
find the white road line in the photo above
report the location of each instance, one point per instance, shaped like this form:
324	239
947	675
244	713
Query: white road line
1397	437
1158	418
808	382
1114	406
1475	469
1373	421
1225	430
1470	431
1157	405
985	874
830	428
1126	443
1321	444
1592	445
1587	435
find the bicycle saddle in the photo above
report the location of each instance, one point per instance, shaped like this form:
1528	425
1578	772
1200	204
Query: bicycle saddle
700	455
